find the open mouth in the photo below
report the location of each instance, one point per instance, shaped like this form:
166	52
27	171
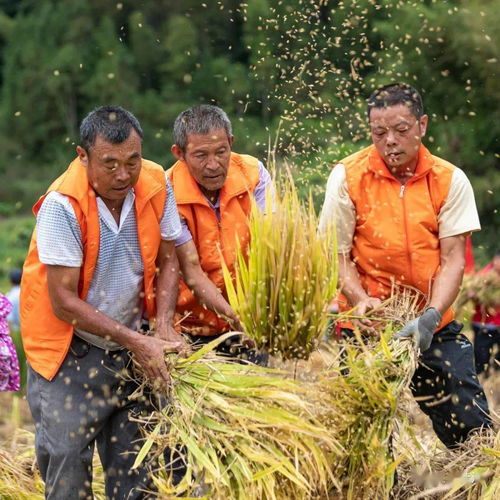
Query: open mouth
122	189
394	156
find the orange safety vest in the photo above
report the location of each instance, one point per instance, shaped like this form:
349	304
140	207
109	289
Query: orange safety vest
397	233
46	338
211	236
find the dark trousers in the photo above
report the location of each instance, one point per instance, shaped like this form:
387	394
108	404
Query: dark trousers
485	340
87	403
447	389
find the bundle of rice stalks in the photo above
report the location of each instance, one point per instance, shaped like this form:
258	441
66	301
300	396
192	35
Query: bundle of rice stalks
469	472
360	399
480	288
19	475
244	431
282	286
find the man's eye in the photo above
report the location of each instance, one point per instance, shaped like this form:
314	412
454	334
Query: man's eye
402	130
379	133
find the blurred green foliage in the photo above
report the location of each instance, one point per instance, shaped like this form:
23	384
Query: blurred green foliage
293	76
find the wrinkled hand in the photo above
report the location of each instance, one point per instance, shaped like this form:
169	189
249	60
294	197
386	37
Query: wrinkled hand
150	354
170	334
421	329
362	307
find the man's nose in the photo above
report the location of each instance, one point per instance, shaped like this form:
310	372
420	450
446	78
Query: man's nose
122	174
391	137
211	163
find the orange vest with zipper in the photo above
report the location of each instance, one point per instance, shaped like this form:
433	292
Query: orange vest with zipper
397	232
211	236
46	339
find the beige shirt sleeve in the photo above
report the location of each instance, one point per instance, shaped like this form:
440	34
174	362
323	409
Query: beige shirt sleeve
338	209
459	214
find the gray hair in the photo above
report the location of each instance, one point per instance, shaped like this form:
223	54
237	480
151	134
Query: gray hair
200	120
112	123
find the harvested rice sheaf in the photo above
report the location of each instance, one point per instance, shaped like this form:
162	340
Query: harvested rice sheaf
246	432
283	284
480	288
359	400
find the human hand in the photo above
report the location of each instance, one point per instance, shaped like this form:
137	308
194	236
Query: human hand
363	307
150	354
421	329
168	333
247	341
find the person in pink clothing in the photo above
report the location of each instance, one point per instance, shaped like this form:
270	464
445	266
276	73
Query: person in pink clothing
10	379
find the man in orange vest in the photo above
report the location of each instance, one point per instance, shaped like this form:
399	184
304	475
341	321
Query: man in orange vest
214	190
102	258
402	216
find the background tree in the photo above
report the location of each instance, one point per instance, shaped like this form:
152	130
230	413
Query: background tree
295	74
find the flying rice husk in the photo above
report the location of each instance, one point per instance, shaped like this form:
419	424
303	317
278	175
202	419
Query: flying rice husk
247	431
282	284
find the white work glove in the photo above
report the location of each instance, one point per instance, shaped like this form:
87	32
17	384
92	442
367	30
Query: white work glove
421	329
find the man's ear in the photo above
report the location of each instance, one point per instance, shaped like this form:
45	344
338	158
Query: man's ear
83	155
231	140
424	120
177	152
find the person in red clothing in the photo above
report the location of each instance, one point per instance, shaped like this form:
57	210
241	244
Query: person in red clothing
402	216
486	327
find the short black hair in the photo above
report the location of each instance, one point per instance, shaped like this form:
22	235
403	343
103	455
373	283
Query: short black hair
15	276
112	123
395	94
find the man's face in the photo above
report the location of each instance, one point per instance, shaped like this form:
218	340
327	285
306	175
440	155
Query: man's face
113	169
207	157
397	135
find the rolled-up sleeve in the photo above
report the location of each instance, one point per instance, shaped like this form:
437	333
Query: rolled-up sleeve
59	239
458	215
170	224
338	210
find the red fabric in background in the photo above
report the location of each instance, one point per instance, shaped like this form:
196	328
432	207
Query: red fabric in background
469	256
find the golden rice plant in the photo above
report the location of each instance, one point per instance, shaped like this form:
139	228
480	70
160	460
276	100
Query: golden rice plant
248	432
283	283
469	472
359	398
480	288
19	475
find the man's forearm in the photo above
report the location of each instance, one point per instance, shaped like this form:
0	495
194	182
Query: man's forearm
446	287
210	297
349	280
167	289
84	316
449	278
